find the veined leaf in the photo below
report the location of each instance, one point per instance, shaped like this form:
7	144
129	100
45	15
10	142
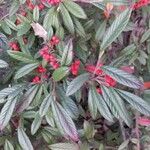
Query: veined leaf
23	28
75	9
24	141
67	18
145	36
9	91
123	77
77	83
109	102
101	105
116	28
64	146
60	73
11	24
36	124
7	112
67	55
45	105
3	64
68	103
25	70
14	8
49	118
120	106
64	122
92	103
26	99
36	14
136	102
100	31
24	57
8	145
3	41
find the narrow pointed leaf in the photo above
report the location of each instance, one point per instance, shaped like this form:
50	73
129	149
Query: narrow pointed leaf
7	112
136	102
45	105
8	145
64	122
25	70
77	83
3	64
123	77
116	28
23	139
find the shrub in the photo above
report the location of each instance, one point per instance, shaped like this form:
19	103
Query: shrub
72	72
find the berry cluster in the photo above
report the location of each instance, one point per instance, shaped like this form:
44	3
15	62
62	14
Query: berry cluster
46	52
102	78
140	4
75	67
42	71
36	80
14	46
31	6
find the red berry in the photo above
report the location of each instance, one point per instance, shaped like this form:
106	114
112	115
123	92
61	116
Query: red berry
40	69
99	90
14	46
110	81
75	67
36	80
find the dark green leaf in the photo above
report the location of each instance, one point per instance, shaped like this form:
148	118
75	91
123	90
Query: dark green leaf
77	83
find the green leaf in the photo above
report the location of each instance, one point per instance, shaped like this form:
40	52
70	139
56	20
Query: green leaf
45	105
27	99
23	28
79	28
36	13
106	96
5	28
36	124
145	36
100	31
123	77
91	103
101	105
124	145
136	102
23	139
49	118
77	83
8	145
7	112
67	55
60	73
3	64
89	130
64	146
3	41
11	24
64	122
9	91
14	8
24	57
68	103
119	105
116	28
67	18
25	70
75	9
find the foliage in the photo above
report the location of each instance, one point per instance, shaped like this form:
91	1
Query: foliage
73	73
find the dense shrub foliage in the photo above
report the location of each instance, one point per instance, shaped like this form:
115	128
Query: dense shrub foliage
72	74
